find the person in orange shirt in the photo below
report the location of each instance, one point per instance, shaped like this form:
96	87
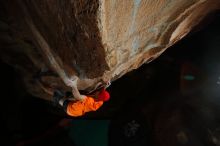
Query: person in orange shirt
77	108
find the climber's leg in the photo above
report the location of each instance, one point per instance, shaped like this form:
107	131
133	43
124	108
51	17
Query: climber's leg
57	96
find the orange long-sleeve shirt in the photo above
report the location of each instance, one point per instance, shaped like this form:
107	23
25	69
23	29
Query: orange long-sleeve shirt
79	108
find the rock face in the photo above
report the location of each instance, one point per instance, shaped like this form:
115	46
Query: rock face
51	41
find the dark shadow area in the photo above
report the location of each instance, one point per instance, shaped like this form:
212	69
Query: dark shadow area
172	101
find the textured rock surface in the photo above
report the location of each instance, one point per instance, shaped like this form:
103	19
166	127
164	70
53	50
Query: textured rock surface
96	40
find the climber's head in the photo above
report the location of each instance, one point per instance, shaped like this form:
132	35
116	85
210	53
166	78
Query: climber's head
103	95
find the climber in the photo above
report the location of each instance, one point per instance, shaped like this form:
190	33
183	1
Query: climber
77	108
